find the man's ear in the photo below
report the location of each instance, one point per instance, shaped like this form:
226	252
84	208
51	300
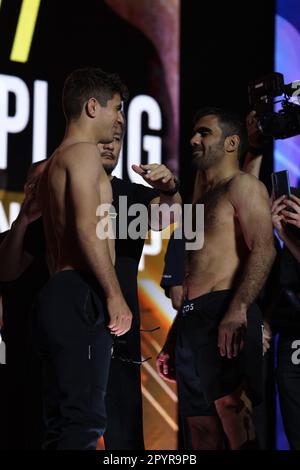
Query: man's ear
91	107
232	143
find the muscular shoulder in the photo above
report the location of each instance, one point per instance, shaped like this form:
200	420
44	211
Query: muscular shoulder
247	186
83	153
83	157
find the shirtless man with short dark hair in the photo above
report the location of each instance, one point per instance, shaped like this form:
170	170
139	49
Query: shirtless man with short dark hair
219	328
82	303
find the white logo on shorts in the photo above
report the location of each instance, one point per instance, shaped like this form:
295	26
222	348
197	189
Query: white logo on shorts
188	308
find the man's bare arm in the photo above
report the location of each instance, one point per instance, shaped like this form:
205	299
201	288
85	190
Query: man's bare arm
253	159
165	361
251	202
13	259
85	173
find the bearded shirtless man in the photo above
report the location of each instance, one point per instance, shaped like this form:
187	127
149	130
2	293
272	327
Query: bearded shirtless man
82	304
218	360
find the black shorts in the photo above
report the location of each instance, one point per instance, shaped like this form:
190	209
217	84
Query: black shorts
203	375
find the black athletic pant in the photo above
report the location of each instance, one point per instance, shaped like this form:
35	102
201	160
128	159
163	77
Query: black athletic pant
124	395
75	344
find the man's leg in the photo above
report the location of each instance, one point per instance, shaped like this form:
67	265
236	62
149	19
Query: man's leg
206	432
124	408
124	396
76	350
235	413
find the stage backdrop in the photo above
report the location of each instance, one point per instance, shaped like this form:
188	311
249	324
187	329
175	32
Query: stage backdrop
41	42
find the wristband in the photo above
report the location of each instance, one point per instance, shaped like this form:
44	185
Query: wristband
173	191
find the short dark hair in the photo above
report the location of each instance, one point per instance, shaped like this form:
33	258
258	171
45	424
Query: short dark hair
83	84
230	122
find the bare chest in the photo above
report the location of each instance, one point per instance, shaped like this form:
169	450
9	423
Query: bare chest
217	208
105	190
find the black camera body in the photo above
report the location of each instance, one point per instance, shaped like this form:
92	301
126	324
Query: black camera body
262	94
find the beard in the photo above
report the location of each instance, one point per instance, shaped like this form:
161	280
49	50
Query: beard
109	164
109	168
203	159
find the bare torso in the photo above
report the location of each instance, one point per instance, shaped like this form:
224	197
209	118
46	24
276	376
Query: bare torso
63	250
217	265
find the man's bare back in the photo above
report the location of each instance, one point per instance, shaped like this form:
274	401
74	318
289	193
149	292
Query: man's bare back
59	213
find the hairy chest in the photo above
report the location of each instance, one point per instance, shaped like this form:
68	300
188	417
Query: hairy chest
218	209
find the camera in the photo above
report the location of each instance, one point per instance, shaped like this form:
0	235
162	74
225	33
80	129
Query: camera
262	98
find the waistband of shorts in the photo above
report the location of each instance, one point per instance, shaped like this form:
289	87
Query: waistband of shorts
205	300
86	276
